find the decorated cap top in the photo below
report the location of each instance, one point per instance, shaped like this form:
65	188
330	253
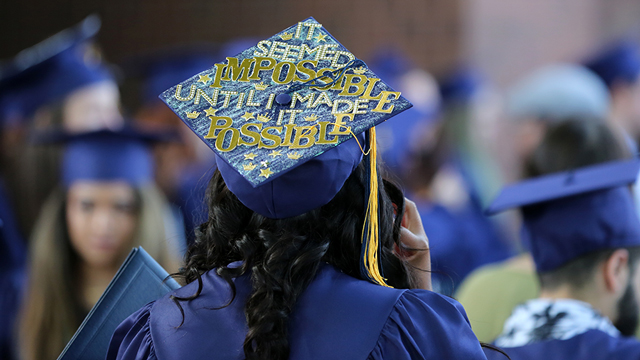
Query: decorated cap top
282	102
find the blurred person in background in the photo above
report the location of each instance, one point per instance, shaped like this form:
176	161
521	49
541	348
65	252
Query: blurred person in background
396	138
490	294
12	255
618	65
181	165
60	83
548	95
441	176
107	205
584	234
539	102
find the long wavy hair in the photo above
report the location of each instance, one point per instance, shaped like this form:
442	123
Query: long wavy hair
52	310
284	255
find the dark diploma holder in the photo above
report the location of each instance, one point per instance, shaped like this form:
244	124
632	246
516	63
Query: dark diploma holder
139	281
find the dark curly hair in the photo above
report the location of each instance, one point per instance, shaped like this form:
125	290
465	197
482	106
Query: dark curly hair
283	255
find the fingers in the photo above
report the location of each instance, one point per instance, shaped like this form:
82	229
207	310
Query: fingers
413	241
411	219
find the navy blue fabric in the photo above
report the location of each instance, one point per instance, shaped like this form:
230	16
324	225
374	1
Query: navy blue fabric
618	63
460	86
564	184
570	214
12	276
461	239
592	345
308	186
337	317
396	137
107	156
561	230
52	69
191	196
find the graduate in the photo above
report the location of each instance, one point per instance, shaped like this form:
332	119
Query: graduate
584	234
12	259
107	203
59	83
307	252
558	114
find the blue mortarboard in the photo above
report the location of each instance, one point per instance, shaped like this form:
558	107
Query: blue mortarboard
573	213
558	92
461	85
620	62
52	69
282	117
107	155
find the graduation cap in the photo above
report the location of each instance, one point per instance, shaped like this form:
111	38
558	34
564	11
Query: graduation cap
461	85
287	120
107	155
52	69
569	214
619	62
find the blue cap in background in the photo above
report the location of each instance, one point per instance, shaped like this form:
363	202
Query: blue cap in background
570	214
106	155
51	70
617	63
461	86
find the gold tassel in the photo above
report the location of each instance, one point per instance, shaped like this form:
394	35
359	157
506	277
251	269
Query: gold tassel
371	255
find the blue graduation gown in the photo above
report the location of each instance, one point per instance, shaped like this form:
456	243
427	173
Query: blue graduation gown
13	255
461	239
592	345
337	317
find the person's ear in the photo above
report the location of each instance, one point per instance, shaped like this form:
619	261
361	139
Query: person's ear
616	271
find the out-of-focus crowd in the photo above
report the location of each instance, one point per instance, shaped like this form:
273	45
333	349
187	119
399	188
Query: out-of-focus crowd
83	179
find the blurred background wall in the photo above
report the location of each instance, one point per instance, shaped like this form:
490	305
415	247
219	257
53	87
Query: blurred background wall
502	38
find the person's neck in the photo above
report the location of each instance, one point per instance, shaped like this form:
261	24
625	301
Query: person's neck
93	281
589	297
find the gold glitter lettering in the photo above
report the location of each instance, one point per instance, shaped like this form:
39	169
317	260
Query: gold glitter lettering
307	133
259	66
254	135
227	98
250	101
384	99
296	96
261	46
349	83
218	76
233	142
265	135
234	70
370	86
322	138
304	70
192	93
215	126
277	73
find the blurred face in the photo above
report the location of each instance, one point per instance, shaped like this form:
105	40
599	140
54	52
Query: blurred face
101	219
529	134
93	107
628	306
